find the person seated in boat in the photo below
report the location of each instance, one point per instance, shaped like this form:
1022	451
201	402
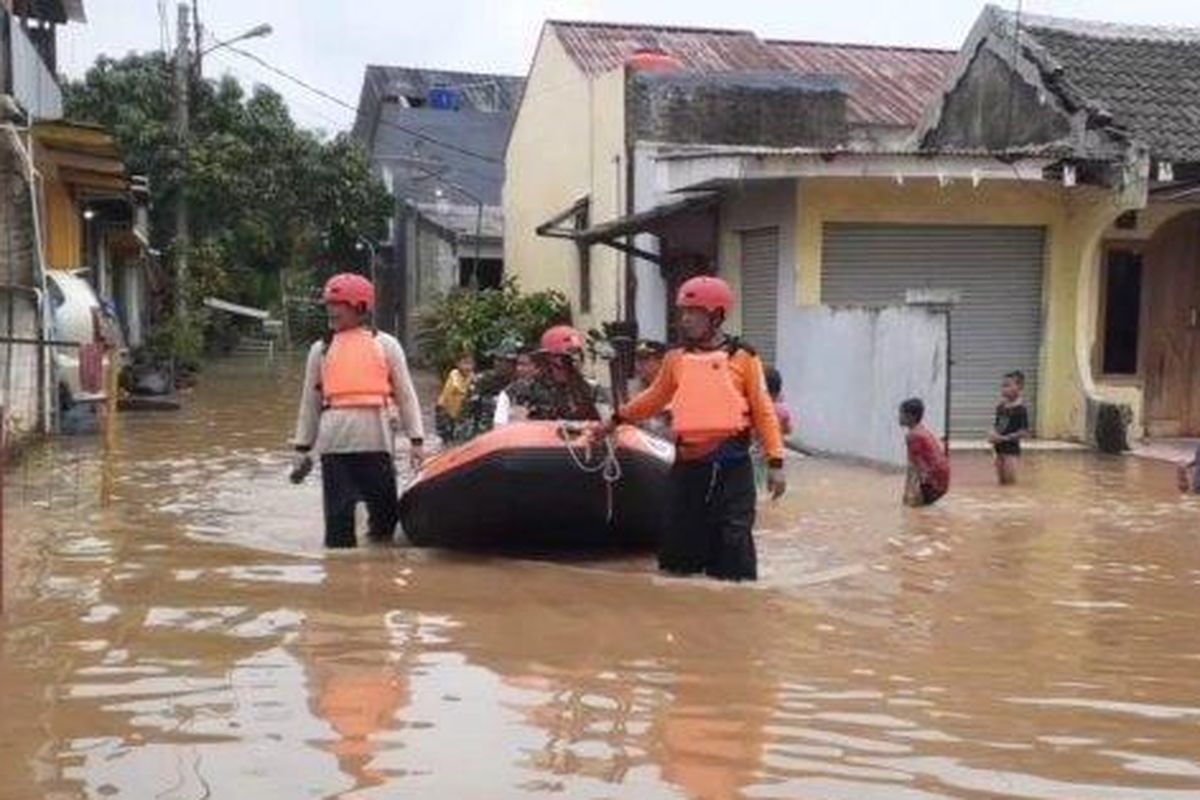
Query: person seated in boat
561	392
717	392
351	378
647	362
487	391
503	370
450	413
513	402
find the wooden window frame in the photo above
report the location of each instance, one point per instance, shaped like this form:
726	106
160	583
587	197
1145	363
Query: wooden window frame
1134	378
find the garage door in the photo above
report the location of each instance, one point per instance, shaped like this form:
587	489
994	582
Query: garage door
760	270
996	327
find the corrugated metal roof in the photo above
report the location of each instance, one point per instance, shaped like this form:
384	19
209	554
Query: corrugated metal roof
601	46
886	85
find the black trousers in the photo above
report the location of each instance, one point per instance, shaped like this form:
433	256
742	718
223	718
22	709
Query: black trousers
347	479
712	524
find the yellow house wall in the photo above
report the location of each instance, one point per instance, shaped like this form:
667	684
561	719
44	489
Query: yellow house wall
63	226
1075	220
568	142
608	192
1122	389
547	168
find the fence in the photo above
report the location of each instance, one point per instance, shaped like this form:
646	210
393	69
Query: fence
846	370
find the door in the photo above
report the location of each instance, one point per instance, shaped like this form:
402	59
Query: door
1172	313
760	290
997	325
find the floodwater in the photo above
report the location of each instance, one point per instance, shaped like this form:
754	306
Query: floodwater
190	639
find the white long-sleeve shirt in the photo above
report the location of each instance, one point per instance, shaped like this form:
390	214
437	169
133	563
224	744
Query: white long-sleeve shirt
356	430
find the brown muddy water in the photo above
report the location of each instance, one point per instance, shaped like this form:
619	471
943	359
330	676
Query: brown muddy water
190	639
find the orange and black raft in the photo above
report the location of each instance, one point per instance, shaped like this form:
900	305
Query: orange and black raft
542	485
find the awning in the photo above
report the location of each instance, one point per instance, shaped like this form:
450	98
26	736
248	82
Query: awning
233	308
648	221
86	156
615	233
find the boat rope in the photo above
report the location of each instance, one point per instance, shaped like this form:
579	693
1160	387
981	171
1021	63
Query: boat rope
608	466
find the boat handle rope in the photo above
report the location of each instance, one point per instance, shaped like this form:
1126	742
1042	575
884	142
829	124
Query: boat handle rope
608	467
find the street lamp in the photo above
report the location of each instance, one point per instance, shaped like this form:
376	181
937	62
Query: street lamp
257	32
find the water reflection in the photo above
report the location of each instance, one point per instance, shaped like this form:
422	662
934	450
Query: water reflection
192	639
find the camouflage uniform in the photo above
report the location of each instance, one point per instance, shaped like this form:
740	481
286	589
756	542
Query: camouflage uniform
574	401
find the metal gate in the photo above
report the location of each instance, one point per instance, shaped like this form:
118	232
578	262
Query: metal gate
760	281
996	326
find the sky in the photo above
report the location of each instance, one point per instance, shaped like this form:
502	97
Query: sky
328	43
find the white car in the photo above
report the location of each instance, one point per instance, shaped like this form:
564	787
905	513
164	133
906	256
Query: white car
77	314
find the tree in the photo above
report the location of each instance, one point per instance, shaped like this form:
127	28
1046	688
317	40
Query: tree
270	203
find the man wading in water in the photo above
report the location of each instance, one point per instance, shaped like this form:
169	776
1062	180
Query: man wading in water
353	374
718	397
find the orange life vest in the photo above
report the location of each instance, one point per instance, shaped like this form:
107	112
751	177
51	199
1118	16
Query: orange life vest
707	404
354	372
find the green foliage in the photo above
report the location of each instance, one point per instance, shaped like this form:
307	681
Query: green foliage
178	341
267	198
477	322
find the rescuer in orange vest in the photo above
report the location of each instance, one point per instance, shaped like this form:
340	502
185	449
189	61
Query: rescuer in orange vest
717	393
354	375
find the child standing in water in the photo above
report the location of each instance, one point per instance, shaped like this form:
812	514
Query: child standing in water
775	389
928	476
1189	475
449	411
1012	425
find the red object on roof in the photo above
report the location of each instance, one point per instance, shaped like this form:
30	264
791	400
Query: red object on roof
887	85
653	59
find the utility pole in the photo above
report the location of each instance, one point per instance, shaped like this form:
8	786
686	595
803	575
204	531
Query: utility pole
183	52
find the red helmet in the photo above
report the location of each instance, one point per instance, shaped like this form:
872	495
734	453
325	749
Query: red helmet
711	294
353	290
562	340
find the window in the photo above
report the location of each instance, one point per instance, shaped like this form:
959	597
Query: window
1122	310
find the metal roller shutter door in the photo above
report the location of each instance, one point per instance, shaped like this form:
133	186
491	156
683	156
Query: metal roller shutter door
760	270
997	325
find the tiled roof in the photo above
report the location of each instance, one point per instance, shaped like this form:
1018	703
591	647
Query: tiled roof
1147	78
886	85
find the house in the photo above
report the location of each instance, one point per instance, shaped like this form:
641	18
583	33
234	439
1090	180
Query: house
29	92
1042	176
96	217
67	204
436	138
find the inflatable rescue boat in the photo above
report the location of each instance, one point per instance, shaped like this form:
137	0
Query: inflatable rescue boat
544	486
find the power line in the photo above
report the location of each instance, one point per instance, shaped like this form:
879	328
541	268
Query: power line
358	112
